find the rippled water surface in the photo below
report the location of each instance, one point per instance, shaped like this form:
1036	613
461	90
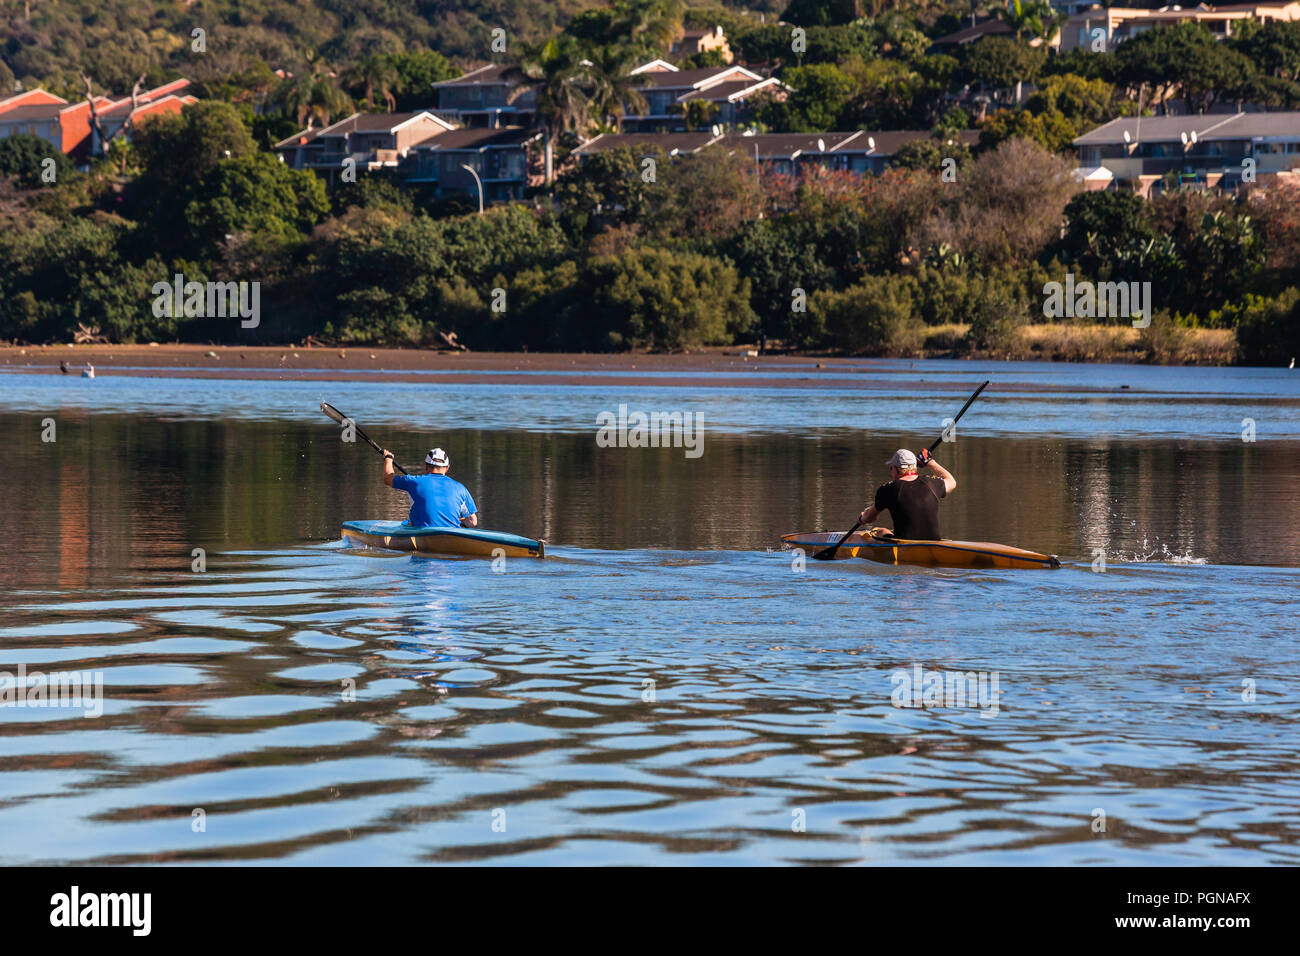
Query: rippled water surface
666	687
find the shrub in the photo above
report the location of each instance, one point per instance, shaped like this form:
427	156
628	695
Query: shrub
876	316
1268	329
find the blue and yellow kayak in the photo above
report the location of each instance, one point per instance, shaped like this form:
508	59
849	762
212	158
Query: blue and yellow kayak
940	554
400	536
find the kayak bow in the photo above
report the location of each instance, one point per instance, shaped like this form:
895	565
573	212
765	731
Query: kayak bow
400	536
942	554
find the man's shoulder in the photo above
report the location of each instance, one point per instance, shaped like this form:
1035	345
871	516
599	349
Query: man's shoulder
447	481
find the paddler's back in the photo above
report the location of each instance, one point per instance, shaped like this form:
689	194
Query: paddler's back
436	500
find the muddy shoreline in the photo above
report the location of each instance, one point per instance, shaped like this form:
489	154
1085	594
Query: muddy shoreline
717	368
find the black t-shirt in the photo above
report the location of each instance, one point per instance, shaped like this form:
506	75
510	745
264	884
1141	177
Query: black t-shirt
914	506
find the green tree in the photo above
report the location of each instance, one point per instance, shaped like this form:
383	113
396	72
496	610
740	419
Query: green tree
1032	20
1003	62
557	71
659	299
25	156
415	73
373	74
1183	60
1274	48
820	94
254	194
1101	225
177	148
875	316
613	86
819	13
310	98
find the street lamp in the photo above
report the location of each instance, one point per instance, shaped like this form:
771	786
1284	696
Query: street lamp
473	172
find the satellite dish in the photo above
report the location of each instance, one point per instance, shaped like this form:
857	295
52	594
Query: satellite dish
717	130
821	145
871	142
1193	136
1184	138
1127	138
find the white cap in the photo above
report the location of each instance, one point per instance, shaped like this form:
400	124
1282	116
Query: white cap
437	457
902	460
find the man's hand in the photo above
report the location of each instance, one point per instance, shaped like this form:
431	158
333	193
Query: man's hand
923	458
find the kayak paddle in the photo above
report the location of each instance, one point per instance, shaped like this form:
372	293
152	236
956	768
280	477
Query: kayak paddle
342	419
826	554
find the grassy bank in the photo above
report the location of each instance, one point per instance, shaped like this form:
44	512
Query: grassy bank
1161	344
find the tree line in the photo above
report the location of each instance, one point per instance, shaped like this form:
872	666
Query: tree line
948	251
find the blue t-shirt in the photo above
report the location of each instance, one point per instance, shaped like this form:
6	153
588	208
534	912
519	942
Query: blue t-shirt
436	500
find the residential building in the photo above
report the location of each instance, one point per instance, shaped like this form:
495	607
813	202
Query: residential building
858	151
692	42
1205	151
168	98
667	90
370	140
483	97
67	126
501	158
1108	27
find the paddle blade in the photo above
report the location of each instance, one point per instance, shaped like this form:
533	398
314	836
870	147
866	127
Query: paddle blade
827	554
332	412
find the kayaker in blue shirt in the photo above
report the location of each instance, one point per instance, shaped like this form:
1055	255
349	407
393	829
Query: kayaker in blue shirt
436	500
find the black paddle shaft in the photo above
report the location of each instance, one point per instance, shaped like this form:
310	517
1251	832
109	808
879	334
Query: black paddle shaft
339	417
939	441
826	554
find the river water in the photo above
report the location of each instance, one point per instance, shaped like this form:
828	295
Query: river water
668	686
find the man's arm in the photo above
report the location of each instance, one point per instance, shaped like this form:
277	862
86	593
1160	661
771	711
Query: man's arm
469	520
868	516
389	472
949	482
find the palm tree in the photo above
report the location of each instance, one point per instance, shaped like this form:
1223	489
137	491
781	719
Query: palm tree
654	23
557	71
1032	19
612	86
373	72
309	97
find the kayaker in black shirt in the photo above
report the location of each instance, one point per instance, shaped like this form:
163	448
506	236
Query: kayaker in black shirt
912	500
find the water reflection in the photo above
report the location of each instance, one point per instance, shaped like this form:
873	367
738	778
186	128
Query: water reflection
134	495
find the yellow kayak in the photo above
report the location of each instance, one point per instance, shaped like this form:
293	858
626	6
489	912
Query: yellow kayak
400	536
942	554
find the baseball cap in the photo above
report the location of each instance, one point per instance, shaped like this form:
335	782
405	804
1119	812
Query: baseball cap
902	460
437	457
